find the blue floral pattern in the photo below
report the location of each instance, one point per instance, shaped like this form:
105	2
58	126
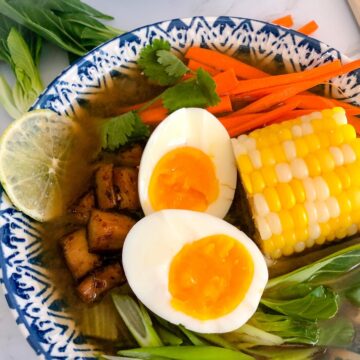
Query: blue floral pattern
37	307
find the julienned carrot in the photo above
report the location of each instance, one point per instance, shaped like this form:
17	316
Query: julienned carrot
286	21
221	61
314	102
276	97
321	72
153	116
194	65
223	106
355	122
344	104
225	81
308	28
258	119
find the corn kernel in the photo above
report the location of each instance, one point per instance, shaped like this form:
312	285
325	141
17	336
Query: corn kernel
347	175
313	165
268	246
244	164
314	231
311	212
288	250
289	149
323	139
298	190
279	153
267	157
284	134
296	131
272	198
344	203
348	153
257	181
263	228
247	183
312	142
336	137
274	223
355	144
320	240
354	173
278	241
325	159
301	147
321	188
287	222
309	189
322	211
299	215
260	205
269	175
255	158
333	207
354	196
348	132
351	230
326	229
300	246
276	254
299	169
337	155
286	195
283	172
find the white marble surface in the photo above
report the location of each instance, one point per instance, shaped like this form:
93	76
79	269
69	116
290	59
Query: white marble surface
337	28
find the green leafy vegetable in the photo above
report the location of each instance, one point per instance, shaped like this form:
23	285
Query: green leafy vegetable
197	92
320	303
159	64
28	83
70	24
338	332
186	353
137	320
195	340
326	270
122	129
277	353
167	337
353	295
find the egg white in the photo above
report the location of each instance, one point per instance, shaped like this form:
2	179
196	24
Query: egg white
150	248
199	129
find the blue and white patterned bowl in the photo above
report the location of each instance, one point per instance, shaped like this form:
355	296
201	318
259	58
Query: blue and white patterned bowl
35	303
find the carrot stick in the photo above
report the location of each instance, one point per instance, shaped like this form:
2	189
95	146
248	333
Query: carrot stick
308	28
276	97
286	21
236	124
220	61
153	116
321	72
355	122
223	106
194	65
225	81
313	102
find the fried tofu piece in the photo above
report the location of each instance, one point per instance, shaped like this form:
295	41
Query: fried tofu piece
126	187
104	187
81	211
95	285
107	231
77	256
130	156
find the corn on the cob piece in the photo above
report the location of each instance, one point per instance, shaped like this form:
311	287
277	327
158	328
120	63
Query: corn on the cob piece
302	179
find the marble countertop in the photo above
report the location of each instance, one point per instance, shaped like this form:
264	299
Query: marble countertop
337	27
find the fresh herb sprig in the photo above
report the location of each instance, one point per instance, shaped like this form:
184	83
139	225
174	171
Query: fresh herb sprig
162	67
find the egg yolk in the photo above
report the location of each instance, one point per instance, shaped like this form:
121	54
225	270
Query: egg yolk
184	178
209	277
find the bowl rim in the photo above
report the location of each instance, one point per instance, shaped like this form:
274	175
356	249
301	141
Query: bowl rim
9	295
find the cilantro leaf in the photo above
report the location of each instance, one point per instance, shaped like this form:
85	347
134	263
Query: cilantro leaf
197	92
207	86
119	130
159	64
172	64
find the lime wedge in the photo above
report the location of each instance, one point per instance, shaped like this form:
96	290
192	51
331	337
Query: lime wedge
34	152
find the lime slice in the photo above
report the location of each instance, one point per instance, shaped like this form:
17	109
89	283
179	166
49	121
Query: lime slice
34	152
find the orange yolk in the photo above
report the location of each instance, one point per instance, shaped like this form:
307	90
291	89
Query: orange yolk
209	277
184	178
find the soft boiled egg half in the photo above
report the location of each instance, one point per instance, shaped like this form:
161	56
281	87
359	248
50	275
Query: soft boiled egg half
188	163
194	269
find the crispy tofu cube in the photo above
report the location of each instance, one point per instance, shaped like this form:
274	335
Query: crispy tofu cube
126	187
81	211
95	285
130	156
77	256
104	187
107	231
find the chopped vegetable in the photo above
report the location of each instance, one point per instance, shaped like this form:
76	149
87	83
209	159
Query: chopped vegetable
137	320
186	353
105	193
153	115
308	28
220	61
123	129
70	24
286	21
225	81
159	64
82	209
195	65
126	187
222	107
